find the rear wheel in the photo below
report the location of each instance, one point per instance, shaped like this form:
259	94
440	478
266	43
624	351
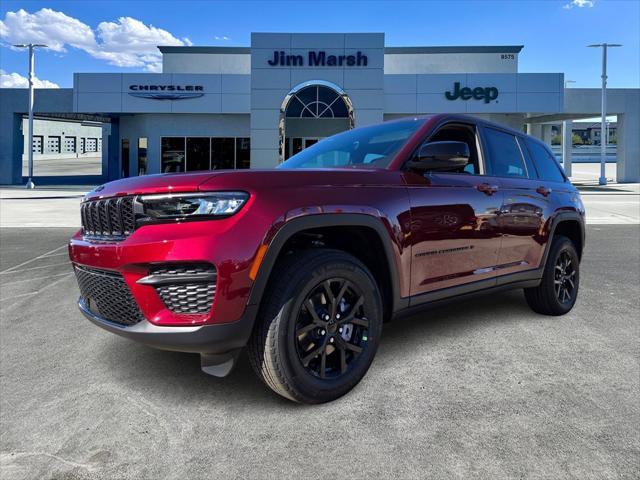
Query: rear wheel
558	290
318	328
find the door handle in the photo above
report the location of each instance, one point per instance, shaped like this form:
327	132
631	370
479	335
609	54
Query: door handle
487	189
544	191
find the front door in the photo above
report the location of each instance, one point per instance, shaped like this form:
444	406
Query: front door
310	141
454	229
454	233
295	145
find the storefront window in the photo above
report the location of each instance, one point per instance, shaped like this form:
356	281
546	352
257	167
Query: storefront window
243	152
198	153
222	153
173	154
142	156
180	154
124	157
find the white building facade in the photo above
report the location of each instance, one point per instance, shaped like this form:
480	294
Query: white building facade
253	107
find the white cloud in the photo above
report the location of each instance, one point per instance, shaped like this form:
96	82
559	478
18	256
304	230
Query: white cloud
15	80
127	42
223	38
579	4
46	26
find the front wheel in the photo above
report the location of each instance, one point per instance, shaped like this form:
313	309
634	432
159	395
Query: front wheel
319	326
558	290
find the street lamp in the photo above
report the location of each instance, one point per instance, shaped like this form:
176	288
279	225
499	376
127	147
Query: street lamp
603	120
31	47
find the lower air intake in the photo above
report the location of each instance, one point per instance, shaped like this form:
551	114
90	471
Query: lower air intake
107	295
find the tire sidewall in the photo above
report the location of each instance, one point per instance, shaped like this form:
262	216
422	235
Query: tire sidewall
308	385
562	244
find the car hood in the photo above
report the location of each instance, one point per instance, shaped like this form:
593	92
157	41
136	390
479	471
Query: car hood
242	180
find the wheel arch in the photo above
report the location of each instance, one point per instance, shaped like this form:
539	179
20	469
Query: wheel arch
571	225
323	221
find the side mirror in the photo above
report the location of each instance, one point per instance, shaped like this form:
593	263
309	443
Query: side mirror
439	156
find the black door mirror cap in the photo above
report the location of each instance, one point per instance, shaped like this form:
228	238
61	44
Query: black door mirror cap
445	155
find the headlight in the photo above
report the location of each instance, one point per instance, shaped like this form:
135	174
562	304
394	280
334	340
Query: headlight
187	206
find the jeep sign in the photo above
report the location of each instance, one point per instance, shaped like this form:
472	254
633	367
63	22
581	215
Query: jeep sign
479	93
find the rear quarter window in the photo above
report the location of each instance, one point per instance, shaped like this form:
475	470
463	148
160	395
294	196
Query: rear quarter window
546	164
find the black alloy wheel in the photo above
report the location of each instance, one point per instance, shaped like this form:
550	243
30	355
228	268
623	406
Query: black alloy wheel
564	278
332	328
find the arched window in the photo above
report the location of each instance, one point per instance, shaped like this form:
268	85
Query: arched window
317	101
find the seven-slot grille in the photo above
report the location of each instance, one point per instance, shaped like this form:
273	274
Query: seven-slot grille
186	289
111	218
107	295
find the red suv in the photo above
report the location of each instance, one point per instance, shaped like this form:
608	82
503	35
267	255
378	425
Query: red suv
303	264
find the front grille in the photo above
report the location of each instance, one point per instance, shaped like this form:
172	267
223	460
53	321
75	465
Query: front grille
186	297
109	219
107	295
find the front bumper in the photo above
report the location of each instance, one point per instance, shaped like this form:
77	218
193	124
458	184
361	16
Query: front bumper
203	339
227	245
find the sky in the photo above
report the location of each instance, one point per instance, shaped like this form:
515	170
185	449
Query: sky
121	36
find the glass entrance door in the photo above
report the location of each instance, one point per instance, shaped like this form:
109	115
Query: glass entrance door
310	141
297	144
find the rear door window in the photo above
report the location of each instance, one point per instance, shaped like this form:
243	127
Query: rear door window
504	155
547	166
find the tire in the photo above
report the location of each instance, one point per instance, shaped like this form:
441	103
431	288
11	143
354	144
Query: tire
300	358
558	290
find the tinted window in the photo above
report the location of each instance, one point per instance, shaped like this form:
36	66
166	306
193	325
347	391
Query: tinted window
547	165
356	148
505	159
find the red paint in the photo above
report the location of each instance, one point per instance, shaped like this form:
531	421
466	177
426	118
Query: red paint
502	232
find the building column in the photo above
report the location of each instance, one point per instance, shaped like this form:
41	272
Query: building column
567	145
628	147
113	150
535	130
547	133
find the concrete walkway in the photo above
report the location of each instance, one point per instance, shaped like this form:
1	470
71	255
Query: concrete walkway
617	204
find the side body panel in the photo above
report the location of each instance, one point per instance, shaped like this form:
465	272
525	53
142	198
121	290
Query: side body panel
454	230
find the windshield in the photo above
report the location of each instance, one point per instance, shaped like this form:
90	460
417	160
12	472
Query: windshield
366	147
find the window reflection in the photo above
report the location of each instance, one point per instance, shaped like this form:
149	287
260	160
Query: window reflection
142	156
180	154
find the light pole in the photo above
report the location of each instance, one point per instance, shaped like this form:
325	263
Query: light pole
603	120
567	135
31	47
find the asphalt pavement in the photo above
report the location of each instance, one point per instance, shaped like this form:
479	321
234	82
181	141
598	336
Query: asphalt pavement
477	389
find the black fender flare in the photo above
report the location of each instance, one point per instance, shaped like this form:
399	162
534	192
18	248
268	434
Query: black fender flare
299	224
559	217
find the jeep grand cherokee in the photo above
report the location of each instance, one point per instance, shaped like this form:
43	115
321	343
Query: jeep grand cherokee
302	264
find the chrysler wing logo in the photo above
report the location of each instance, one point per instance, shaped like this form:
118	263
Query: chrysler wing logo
166	92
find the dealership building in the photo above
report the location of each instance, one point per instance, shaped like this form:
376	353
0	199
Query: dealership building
253	107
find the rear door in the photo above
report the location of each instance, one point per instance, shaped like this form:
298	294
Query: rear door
453	236
524	206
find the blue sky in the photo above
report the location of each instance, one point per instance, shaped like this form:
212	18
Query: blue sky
108	36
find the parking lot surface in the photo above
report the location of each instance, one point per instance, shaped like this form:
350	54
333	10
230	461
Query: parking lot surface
482	389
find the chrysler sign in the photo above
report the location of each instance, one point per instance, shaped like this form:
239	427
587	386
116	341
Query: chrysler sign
166	92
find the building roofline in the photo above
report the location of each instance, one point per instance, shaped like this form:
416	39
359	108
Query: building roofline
227	50
395	50
457	49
